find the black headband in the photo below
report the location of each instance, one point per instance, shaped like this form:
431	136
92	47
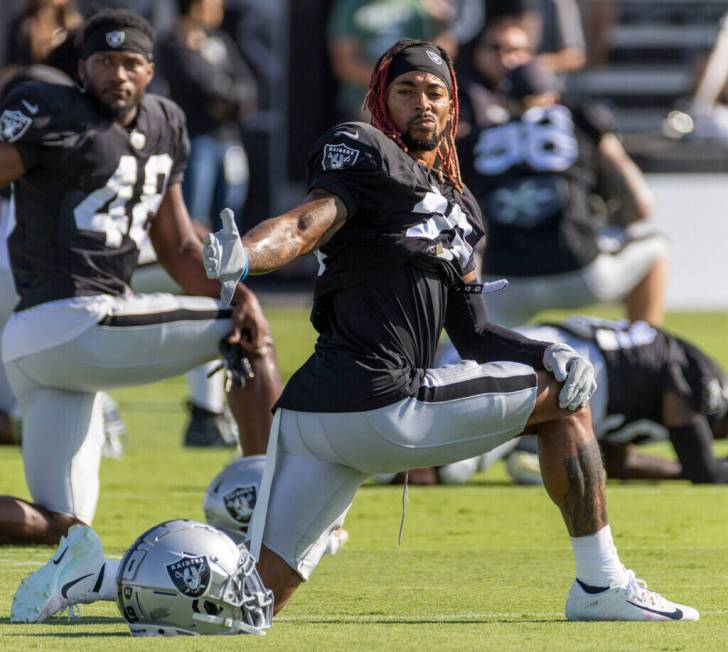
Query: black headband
423	58
112	37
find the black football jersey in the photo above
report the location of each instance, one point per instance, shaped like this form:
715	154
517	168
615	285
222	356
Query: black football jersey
90	190
642	362
532	176
381	293
398	210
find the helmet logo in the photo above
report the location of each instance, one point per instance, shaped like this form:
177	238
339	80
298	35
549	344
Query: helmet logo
190	575
240	503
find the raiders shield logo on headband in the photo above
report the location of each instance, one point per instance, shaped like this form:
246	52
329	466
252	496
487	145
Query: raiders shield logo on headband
115	38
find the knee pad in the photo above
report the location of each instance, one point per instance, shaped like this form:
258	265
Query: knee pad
231	497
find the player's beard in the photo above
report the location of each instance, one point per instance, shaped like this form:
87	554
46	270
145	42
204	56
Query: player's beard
120	111
420	145
112	110
116	112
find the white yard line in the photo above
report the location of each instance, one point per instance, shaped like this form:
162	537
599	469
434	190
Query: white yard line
462	618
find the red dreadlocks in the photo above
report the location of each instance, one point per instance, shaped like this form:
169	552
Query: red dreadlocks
376	102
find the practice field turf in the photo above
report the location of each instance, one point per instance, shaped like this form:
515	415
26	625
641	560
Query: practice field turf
481	567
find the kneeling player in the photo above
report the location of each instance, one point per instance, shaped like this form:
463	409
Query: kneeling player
394	230
93	171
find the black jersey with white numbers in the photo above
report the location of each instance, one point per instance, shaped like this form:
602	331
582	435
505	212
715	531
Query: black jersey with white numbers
398	210
90	190
643	362
532	175
385	277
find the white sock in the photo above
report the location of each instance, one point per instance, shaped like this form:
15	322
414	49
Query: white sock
107	590
206	392
597	561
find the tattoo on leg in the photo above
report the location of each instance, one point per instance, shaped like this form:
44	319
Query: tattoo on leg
585	508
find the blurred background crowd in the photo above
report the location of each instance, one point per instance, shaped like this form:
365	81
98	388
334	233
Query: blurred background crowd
260	80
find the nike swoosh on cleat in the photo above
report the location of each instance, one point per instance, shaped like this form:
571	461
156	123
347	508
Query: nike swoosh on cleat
58	561
68	585
591	589
672	615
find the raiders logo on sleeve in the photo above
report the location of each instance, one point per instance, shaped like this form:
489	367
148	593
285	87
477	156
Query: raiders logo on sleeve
337	157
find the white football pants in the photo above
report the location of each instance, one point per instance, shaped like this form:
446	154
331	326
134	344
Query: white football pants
144	339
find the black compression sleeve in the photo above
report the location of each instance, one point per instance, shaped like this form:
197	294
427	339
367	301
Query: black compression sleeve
475	338
694	447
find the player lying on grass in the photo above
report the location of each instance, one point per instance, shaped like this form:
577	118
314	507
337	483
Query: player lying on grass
394	231
651	386
93	171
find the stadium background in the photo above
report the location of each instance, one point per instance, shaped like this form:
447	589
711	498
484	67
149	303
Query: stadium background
645	69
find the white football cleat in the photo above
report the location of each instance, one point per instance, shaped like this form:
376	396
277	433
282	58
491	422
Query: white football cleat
68	578
633	601
337	540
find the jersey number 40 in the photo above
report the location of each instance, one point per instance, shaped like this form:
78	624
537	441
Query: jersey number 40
120	208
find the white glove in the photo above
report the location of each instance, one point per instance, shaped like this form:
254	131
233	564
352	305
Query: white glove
224	256
575	372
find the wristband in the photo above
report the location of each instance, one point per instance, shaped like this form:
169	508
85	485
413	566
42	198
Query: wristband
246	269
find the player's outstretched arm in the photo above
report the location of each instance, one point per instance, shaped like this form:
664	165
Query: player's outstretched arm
11	164
275	242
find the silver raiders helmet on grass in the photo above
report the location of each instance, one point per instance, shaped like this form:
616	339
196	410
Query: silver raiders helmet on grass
187	578
232	494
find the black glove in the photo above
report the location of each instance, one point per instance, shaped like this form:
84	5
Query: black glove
238	369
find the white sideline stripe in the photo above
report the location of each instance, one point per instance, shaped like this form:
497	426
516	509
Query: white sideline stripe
373	618
450	618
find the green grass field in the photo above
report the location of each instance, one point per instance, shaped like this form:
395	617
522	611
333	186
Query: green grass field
485	566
